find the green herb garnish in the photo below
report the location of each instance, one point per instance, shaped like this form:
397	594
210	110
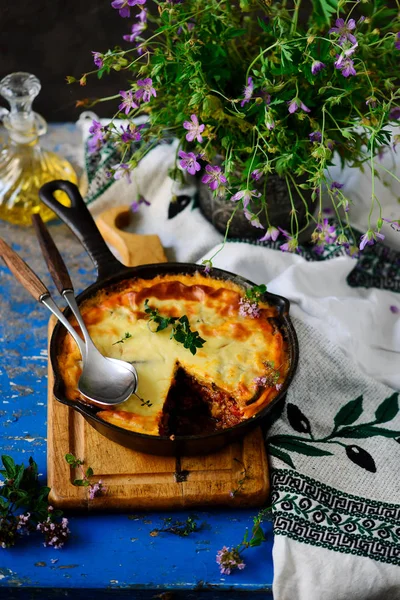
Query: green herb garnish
126	337
180	331
254	293
180	528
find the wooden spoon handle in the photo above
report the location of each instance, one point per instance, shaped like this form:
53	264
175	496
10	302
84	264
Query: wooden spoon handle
22	272
52	256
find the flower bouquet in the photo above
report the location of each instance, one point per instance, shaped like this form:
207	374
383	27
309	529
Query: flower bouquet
256	90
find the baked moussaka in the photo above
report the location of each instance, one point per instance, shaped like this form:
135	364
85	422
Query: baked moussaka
209	354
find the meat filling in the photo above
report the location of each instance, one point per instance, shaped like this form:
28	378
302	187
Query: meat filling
193	408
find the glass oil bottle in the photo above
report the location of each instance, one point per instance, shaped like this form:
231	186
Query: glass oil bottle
24	165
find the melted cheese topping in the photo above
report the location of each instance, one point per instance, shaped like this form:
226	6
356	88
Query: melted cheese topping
236	351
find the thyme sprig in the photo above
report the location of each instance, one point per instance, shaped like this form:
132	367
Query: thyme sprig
24	506
180	328
126	337
96	489
180	528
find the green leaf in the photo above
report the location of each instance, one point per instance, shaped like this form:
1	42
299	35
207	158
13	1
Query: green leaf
258	536
366	431
324	10
281	455
9	465
289	443
70	458
388	409
19	475
81	482
89	472
349	413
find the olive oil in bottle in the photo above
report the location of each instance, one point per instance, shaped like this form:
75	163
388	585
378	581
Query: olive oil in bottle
24	165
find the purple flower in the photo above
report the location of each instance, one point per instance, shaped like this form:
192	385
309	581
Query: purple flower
247	92
214	177
394	309
128	102
207	266
96	489
394	114
315	136
136	205
189	162
269	121
96	141
137	29
344	30
122	170
229	560
317	66
369	238
147	90
291	244
55	534
256	174
350	50
345	64
371	101
245	196
326	232
261	381
397	41
98	59
272	233
131	133
247	308
254	220
335	185
194	128
123	6
296	103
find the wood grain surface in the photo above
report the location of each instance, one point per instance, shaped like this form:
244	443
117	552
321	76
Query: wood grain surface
136	481
54	261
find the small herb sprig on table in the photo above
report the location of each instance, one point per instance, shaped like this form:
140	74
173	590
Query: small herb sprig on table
22	493
96	489
229	559
180	328
180	528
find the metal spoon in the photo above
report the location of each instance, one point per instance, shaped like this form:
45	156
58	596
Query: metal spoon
105	381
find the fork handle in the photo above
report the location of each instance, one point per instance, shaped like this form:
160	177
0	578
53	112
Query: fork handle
23	273
52	256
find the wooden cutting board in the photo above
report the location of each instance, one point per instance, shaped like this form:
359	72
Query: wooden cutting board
136	481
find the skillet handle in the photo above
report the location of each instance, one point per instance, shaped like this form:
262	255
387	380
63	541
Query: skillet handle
81	223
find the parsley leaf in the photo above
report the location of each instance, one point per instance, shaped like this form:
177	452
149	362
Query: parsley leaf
180	328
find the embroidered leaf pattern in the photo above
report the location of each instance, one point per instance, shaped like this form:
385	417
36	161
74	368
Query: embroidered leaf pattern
297	419
388	409
349	413
294	445
281	445
284	456
366	431
361	457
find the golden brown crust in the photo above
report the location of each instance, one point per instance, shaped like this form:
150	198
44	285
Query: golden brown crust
238	349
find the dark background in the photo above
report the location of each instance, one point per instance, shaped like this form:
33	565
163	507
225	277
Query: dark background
53	39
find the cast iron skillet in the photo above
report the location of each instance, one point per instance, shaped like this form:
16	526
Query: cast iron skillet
109	272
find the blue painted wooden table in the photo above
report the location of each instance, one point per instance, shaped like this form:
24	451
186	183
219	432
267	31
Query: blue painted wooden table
108	551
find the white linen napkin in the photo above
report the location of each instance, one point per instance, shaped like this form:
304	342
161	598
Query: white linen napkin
335	448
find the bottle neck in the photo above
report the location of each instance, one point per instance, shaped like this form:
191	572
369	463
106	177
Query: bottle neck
24	128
